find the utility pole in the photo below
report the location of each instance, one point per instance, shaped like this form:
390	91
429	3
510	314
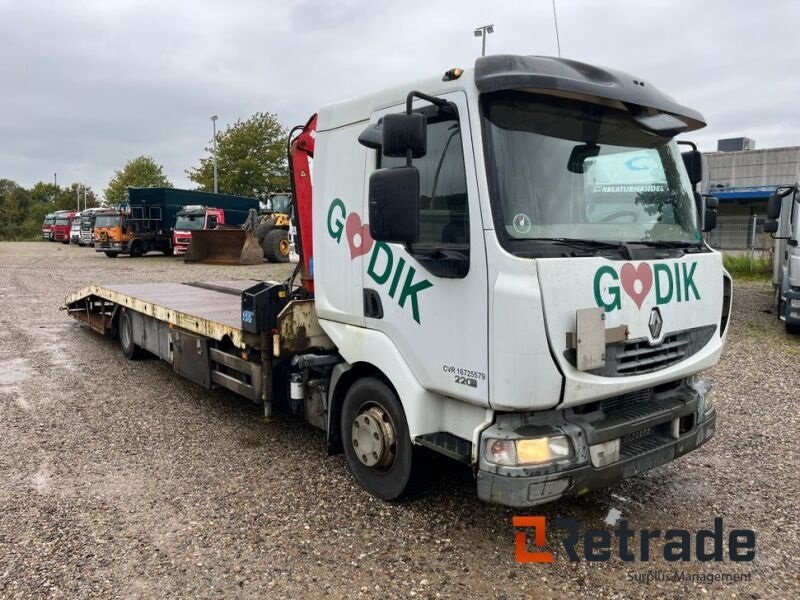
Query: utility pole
214	128
78	195
482	32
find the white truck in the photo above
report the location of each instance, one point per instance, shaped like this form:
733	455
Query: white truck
505	267
783	220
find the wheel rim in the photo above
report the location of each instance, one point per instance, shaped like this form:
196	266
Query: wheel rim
373	438
284	247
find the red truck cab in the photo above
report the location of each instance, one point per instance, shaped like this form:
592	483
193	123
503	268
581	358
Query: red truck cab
47	226
190	218
61	226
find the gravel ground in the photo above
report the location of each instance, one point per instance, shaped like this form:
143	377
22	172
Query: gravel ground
121	480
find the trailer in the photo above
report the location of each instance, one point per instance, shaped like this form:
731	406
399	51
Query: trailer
502	264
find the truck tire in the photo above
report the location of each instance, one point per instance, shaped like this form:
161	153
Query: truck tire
168	251
129	350
262	230
136	249
376	441
276	246
792	329
112	254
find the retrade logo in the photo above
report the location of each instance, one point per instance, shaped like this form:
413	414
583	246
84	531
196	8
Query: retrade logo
668	282
628	545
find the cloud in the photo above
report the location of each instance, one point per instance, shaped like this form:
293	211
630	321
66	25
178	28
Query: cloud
87	85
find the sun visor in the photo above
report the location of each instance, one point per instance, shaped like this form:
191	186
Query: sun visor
569	77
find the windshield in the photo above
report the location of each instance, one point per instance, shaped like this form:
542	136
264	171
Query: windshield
562	168
281	203
107	221
184	222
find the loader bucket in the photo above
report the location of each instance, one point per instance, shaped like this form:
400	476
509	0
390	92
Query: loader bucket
224	247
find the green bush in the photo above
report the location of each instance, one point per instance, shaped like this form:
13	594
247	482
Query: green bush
757	265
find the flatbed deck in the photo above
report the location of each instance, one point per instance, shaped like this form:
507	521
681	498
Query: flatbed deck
210	308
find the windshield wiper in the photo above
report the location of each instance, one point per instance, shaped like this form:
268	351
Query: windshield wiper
667	244
588	244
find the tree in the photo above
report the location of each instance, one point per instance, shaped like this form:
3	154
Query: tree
142	171
67	198
251	159
44	192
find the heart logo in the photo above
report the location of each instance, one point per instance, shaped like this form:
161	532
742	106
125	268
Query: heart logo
355	229
631	276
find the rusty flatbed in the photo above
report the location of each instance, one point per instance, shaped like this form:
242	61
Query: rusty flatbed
210	308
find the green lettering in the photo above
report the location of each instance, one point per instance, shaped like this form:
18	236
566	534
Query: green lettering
662	297
688	281
380	278
613	290
677	284
396	279
411	291
336	226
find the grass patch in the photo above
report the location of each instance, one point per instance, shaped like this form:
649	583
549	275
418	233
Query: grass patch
756	266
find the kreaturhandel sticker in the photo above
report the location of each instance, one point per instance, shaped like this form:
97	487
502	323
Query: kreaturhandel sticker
385	268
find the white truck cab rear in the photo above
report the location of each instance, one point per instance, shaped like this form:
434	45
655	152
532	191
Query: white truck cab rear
547	323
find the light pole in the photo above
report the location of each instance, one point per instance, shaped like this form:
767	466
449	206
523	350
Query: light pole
482	32
214	128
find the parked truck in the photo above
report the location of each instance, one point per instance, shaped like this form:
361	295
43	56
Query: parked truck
75	229
88	217
502	264
784	225
47	226
60	231
206	211
144	223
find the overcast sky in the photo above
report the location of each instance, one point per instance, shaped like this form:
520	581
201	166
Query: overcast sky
87	85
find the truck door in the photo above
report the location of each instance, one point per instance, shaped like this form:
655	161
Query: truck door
431	298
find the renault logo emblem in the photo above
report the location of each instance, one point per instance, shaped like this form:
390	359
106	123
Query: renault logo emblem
655	323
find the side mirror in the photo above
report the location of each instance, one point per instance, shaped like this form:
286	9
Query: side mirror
774	206
710	220
770	226
402	133
693	161
394	205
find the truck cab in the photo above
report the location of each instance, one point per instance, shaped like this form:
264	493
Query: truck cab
75	230
62	226
47	226
783	222
193	218
516	249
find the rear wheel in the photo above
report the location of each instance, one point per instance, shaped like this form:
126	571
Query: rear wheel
129	349
112	254
276	246
376	440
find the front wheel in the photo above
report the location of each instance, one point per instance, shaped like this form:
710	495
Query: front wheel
112	254
376	441
276	246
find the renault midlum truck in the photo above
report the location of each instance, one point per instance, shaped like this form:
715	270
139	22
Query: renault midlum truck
502	264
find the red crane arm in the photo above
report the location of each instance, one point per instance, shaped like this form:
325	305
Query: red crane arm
301	150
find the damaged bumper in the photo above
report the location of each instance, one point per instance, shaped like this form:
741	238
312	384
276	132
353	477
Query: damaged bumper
610	440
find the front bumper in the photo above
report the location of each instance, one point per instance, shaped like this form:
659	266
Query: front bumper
647	441
120	247
792	313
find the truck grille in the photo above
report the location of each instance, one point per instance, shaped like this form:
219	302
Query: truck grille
634	357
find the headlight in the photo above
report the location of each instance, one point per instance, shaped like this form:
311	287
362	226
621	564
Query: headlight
534	451
794	302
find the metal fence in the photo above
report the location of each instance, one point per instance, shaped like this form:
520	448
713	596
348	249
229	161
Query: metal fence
739	232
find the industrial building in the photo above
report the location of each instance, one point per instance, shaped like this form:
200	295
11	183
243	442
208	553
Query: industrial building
742	178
